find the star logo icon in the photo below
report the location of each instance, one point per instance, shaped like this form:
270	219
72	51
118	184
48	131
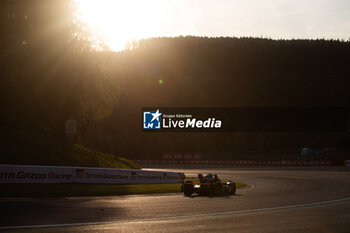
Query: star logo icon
152	119
156	115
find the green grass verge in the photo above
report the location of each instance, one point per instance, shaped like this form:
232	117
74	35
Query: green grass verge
71	190
36	149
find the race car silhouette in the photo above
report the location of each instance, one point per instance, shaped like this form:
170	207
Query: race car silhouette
208	185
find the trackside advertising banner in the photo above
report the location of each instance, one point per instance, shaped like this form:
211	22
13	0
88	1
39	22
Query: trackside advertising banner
123	176
35	174
52	174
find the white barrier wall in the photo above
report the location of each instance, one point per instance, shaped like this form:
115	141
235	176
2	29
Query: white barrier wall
55	174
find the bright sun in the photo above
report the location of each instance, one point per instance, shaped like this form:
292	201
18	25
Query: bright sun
118	22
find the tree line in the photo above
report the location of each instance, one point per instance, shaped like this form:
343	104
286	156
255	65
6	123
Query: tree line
50	73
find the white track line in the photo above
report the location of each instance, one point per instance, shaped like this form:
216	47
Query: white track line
176	217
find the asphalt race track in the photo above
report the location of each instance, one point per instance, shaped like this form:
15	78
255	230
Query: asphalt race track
277	200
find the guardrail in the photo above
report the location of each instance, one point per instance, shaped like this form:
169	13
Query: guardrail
56	174
251	162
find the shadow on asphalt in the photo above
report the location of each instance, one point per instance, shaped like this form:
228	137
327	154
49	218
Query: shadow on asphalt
214	196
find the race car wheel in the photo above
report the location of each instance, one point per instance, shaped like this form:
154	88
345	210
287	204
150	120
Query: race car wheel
188	188
232	188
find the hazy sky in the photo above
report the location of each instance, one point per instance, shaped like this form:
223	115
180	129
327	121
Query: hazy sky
268	18
122	20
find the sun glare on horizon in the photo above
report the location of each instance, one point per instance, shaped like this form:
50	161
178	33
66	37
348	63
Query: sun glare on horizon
119	22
